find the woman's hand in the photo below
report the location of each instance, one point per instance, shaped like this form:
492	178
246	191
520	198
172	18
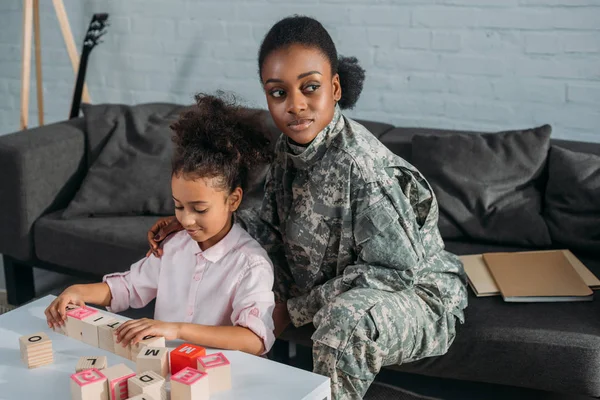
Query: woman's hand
159	231
56	313
281	318
131	332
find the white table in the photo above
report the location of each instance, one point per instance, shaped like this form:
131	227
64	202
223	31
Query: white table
252	377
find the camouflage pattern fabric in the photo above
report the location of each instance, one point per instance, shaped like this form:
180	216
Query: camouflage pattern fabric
352	231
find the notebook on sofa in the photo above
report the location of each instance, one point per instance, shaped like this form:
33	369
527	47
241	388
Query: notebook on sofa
483	283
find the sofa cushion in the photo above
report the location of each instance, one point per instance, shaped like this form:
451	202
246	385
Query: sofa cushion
572	197
102	120
545	346
93	245
376	128
489	186
132	173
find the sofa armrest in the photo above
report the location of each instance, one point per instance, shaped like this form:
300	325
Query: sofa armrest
40	172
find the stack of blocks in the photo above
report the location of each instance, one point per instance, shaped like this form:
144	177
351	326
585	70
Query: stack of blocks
194	375
36	350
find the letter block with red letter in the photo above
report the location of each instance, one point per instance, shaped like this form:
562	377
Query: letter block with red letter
190	384
218	369
75	324
117	377
185	356
89	384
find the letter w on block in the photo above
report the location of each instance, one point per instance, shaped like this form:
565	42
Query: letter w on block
185	356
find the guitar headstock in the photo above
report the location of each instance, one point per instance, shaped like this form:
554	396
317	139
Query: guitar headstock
96	30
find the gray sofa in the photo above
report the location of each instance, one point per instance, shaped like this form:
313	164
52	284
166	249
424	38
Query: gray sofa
553	347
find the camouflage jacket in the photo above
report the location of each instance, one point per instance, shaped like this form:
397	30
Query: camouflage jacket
345	212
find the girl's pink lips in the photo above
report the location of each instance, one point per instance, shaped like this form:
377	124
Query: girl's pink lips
192	232
300	124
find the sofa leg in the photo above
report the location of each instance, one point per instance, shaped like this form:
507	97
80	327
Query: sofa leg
19	281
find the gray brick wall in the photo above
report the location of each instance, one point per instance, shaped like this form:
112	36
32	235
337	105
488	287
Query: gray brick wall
469	64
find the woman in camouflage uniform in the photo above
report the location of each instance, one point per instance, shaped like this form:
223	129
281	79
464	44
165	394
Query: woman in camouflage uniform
350	227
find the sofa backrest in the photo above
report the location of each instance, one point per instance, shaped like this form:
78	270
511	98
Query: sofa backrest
399	140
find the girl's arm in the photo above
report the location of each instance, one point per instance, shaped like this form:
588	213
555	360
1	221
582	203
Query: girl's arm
95	293
136	287
252	330
222	337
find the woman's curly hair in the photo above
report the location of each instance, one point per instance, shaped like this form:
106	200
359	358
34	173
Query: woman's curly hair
217	138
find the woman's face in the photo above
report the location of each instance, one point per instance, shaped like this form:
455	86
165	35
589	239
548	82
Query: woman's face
301	93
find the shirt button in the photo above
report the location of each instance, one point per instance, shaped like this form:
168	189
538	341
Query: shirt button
197	277
190	311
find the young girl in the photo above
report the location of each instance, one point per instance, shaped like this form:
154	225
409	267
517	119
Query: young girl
213	285
350	227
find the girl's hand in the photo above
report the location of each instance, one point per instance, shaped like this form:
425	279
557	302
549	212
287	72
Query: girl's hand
56	313
131	332
159	231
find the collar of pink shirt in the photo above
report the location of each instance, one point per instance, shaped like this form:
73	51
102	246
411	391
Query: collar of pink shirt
216	252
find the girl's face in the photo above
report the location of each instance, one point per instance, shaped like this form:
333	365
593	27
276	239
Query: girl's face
301	93
203	209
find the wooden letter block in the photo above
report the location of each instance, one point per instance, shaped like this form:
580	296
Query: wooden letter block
190	384
106	335
144	397
89	328
147	341
63	328
153	359
124	352
148	382
36	350
74	321
218	368
117	377
185	356
98	362
89	384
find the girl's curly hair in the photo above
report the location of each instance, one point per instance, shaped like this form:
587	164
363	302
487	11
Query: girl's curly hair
217	138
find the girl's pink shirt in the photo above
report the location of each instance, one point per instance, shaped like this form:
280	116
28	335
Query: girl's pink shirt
229	284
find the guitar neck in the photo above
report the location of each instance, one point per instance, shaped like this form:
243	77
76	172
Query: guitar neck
77	93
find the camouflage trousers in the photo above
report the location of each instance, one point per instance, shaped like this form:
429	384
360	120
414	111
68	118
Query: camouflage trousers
362	330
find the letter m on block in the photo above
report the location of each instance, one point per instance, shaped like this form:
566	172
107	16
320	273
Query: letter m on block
188	349
152	352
